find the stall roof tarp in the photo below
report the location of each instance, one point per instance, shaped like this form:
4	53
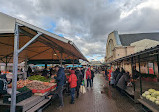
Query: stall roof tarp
46	46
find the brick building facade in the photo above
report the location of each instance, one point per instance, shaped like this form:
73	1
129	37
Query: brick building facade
121	45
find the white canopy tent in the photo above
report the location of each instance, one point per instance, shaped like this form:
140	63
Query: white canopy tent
20	41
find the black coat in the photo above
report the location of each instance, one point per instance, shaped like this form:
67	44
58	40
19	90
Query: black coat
118	77
61	78
83	72
79	77
122	83
116	74
92	74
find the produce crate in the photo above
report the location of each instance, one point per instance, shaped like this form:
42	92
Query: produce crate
53	86
19	97
150	103
43	91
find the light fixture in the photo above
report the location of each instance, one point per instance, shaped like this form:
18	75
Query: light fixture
55	54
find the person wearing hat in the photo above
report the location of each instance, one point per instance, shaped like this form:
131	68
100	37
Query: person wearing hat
9	77
4	80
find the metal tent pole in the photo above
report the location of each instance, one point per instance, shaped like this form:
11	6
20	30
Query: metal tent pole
6	64
25	69
45	66
132	69
15	68
140	75
15	63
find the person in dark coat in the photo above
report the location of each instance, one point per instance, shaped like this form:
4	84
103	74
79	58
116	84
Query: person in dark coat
119	76
60	79
92	75
122	83
80	78
116	72
83	72
45	72
106	74
29	71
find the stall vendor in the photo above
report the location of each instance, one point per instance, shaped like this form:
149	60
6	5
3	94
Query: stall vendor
4	81
9	77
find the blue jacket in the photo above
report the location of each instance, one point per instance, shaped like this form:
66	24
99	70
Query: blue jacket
60	79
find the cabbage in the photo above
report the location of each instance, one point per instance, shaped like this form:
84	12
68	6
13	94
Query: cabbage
153	99
157	97
157	102
151	90
148	97
153	95
147	92
144	95
156	93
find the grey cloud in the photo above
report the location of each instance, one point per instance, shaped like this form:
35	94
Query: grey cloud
92	20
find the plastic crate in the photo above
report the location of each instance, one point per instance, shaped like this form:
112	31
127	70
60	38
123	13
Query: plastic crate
19	97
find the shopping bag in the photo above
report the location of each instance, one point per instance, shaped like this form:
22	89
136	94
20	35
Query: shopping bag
82	89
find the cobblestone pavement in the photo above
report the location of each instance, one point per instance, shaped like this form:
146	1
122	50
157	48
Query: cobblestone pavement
101	98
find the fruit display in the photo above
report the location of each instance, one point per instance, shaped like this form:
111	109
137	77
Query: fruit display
37	85
20	83
39	78
152	95
52	80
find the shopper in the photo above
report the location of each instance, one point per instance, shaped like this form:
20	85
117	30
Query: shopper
109	75
79	77
83	72
106	74
119	76
60	79
84	76
88	77
116	72
122	83
29	71
92	76
73	85
112	79
45	72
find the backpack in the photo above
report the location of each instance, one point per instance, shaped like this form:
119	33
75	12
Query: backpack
3	86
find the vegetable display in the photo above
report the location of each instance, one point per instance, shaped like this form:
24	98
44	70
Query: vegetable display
39	78
152	95
23	89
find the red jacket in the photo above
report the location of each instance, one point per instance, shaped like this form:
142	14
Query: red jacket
88	74
109	75
73	80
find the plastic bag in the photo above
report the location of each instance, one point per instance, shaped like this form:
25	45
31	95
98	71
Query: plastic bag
82	89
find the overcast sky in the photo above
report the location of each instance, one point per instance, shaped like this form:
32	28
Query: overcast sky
87	22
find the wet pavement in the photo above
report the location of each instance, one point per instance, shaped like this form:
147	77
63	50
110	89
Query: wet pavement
102	98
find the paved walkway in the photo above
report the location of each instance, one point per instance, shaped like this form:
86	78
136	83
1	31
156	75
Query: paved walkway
101	98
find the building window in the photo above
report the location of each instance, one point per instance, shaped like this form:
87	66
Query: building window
110	46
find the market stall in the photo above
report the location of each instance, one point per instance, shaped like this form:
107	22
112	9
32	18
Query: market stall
144	69
20	42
